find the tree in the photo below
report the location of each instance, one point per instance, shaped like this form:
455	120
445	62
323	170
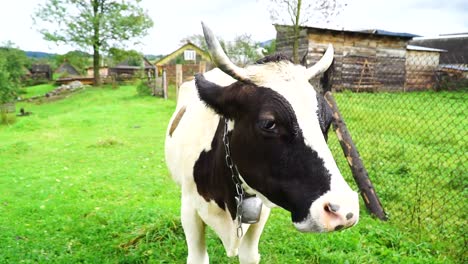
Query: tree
93	24
243	50
270	48
299	13
13	65
78	59
196	39
117	55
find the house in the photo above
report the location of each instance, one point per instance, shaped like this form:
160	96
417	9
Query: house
41	71
192	58
67	70
129	68
365	60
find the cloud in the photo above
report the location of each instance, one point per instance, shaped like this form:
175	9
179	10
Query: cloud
176	19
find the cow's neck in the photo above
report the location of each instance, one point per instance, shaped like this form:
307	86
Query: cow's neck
213	177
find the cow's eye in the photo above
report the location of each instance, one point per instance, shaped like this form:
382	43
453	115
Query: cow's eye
268	125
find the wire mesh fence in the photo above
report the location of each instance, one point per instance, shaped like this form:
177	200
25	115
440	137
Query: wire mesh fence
410	126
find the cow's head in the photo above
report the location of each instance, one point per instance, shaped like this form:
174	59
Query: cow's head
277	139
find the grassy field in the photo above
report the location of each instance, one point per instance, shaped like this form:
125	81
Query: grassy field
37	90
83	180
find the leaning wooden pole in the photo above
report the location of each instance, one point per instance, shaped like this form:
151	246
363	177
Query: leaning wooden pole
354	161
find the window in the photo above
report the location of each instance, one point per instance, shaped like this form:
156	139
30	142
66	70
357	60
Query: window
190	55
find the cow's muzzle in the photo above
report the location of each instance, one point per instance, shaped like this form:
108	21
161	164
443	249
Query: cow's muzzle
333	211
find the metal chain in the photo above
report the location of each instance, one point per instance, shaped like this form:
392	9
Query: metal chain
235	179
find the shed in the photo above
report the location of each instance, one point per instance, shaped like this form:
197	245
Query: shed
365	60
192	58
67	70
421	67
456	46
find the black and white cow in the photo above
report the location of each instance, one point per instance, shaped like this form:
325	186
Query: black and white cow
276	134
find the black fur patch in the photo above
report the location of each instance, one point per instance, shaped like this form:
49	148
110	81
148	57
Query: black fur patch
278	165
212	176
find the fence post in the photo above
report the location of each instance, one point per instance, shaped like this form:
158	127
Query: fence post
155	87
358	170
179	78
164	83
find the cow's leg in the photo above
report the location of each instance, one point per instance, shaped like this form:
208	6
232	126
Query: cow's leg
194	230
248	251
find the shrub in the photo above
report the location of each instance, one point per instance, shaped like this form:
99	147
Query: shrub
143	88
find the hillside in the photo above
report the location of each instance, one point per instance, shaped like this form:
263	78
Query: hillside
39	54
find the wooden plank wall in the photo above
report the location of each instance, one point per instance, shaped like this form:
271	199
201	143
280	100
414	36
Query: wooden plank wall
362	62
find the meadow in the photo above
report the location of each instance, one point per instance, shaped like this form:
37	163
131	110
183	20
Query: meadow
83	180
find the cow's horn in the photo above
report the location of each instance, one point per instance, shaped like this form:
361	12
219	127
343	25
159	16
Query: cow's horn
220	58
323	64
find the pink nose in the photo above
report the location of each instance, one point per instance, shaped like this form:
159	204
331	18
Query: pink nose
338	217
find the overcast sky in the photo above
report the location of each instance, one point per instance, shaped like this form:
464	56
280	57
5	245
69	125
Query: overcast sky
176	19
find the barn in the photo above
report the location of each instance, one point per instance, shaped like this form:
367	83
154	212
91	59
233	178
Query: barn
366	60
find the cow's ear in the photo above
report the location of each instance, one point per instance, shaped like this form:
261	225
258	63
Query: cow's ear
325	115
223	100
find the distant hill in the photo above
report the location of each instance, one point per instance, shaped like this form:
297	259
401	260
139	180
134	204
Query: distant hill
39	54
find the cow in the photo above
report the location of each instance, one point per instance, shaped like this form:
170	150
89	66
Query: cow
254	134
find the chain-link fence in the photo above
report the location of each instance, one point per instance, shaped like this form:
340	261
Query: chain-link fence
410	126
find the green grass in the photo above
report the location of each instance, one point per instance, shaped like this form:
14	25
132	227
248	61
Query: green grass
83	180
37	90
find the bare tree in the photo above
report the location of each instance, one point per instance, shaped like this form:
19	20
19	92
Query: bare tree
299	13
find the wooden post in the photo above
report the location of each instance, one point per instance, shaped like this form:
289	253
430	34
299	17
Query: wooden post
358	170
155	87
179	78
164	83
202	67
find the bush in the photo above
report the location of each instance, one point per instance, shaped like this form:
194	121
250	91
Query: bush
143	88
7	118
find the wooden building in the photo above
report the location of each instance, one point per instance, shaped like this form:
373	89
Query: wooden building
191	57
367	60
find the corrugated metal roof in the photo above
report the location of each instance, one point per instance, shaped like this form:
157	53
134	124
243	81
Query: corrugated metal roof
388	33
420	48
451	36
378	32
